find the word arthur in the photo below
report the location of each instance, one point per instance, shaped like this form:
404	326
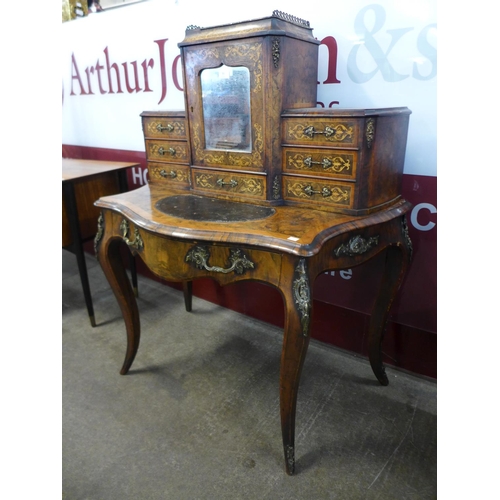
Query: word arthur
110	77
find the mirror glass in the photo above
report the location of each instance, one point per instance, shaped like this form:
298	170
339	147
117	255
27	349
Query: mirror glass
226	108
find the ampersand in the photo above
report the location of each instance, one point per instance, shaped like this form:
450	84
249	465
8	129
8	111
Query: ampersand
370	43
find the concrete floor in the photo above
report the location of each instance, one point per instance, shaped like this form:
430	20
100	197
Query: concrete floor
197	417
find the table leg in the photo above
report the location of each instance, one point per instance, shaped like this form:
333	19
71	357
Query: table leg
187	288
77	246
396	263
298	308
112	265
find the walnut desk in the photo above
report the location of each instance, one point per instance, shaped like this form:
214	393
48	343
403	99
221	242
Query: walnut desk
182	236
83	182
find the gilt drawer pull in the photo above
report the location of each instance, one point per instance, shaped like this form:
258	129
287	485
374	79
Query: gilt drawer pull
325	192
325	162
168	128
137	243
232	183
172	174
310	131
198	256
163	151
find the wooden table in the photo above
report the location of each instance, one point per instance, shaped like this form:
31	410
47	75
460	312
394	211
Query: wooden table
181	237
83	182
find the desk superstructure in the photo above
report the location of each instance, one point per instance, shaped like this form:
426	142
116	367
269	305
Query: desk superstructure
251	182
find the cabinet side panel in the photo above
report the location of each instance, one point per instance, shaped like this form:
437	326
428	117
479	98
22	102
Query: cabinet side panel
386	163
300	64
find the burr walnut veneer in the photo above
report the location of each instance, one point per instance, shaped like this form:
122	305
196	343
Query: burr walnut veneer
252	182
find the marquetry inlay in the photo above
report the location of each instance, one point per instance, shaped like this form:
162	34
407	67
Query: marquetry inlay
329	132
303	190
304	161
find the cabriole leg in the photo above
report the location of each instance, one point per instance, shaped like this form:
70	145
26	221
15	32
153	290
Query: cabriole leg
112	265
298	308
396	264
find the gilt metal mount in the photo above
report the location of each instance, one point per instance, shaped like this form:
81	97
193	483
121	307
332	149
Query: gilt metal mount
357	245
137	242
406	234
276	51
100	232
291	19
302	295
370	132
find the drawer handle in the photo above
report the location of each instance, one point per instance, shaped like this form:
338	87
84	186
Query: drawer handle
232	183
172	174
238	261
168	128
310	131
325	162
138	244
163	151
325	192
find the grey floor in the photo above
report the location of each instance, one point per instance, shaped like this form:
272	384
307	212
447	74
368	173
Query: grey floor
197	417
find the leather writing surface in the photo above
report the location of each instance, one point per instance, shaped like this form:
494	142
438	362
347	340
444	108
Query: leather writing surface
202	209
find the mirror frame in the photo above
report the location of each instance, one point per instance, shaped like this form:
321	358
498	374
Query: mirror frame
196	59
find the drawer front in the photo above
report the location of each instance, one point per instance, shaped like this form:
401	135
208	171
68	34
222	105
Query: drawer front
321	131
168	151
329	163
164	127
318	192
178	260
224	182
174	175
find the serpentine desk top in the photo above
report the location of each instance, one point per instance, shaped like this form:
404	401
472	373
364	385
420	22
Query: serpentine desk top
294	230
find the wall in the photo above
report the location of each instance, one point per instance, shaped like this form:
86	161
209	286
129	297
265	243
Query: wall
118	63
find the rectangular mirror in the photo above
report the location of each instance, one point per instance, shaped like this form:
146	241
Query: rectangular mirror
226	108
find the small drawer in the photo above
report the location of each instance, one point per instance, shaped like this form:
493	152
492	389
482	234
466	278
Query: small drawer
318	192
168	151
164	127
326	162
337	132
234	183
174	175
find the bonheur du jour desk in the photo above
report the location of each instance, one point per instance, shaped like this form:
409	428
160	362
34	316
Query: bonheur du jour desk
83	182
182	236
251	181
